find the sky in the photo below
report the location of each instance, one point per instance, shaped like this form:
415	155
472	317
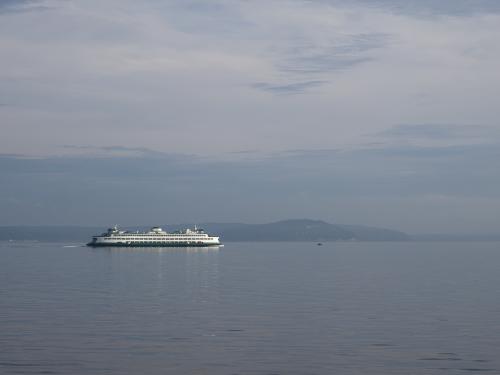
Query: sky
373	112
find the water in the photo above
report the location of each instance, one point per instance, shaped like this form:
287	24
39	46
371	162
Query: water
251	308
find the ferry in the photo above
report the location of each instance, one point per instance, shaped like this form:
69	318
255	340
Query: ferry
156	236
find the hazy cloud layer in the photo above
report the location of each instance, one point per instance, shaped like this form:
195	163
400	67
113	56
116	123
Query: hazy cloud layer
410	188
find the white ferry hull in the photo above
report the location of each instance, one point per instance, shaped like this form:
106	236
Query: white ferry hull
151	244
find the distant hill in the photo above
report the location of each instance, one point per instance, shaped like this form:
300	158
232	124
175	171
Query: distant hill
298	230
286	230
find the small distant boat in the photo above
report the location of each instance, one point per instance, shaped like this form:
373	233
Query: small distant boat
319	244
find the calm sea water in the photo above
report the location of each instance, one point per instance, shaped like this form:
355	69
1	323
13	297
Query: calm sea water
251	308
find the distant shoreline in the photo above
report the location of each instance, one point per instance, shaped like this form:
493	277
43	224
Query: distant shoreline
297	230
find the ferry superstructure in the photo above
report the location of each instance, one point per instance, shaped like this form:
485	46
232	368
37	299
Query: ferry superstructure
154	237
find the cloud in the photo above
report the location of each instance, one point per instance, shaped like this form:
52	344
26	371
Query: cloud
440	132
308	154
304	46
287	88
428	131
120	151
309	57
20	6
425	8
343	52
435	153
